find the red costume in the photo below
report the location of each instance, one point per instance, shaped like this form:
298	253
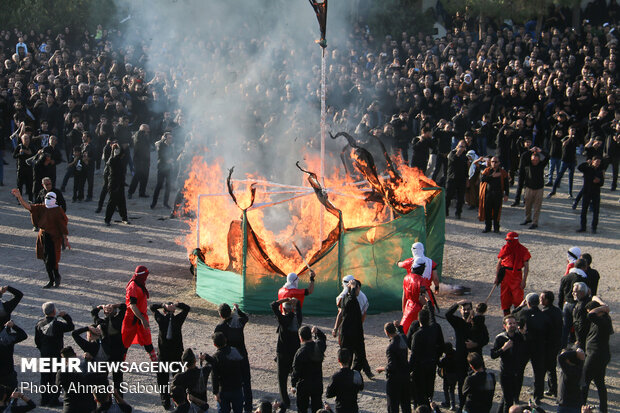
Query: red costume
133	332
425	281
513	257
411	292
299	293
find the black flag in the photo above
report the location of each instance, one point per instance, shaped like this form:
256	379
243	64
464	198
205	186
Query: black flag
320	8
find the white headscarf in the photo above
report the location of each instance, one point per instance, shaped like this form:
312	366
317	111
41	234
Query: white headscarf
573	254
472	168
291	281
417	250
50	200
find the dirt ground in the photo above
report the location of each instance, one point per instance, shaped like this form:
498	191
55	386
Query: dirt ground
102	259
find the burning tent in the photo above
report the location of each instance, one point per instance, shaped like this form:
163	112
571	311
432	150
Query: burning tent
247	264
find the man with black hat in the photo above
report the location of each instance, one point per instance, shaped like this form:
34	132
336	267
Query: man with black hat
48	337
169	340
288	341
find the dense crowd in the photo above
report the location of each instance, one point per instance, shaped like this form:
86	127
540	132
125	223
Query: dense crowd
539	103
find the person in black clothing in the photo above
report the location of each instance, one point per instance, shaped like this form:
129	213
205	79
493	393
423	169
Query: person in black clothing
48	337
569	160
193	381
456	179
593	178
402	134
552	349
7	307
598	353
165	159
570	398
40	162
442	136
8	401
141	161
288	341
593	275
307	378
55	158
232	327
463	344
537	328
494	181
566	299
110	326
532	178
227	375
421	149
75	401
105	156
116	184
22	152
9	336
510	346
396	370
479	386
447	370
169	340
503	143
345	384
426	349
612	151
581	322
352	328
93	348
89	157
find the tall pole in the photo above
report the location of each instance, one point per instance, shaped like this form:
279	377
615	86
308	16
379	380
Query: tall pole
323	130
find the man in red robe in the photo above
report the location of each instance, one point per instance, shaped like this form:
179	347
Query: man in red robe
136	329
290	288
512	261
429	275
411	293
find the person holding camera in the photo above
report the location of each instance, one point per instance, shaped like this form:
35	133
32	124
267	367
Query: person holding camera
534	163
494	181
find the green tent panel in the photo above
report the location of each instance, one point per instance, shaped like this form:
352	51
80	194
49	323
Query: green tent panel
368	253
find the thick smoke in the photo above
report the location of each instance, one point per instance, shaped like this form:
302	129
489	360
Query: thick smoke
245	75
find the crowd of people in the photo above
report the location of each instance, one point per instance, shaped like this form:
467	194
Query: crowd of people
572	335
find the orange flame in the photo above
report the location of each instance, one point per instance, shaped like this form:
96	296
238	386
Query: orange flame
301	216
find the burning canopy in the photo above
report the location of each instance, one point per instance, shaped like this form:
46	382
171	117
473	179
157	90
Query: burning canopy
244	261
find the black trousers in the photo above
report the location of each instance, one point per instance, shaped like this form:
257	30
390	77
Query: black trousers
614	172
537	359
551	372
247	384
78	184
594	369
511	388
104	192
492	206
397	392
594	200
285	364
455	189
309	396
163	179
140	176
449	385
163	378
423	383
49	257
441	165
24	178
357	346
88	176
116	200
49	379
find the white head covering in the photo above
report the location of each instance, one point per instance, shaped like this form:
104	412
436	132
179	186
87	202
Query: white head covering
291	281
573	254
417	250
346	279
50	200
472	168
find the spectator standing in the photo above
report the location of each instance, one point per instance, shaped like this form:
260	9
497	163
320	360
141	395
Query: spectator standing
307	378
397	387
345	384
456	180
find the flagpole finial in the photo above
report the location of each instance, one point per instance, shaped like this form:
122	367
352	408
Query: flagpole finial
320	8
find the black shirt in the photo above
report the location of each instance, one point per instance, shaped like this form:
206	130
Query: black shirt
233	330
396	353
308	364
458	168
8	306
8	339
589	174
597	341
554	315
512	360
537	325
478	390
49	333
569	150
421	151
227	369
288	326
569	386
534	174
344	386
